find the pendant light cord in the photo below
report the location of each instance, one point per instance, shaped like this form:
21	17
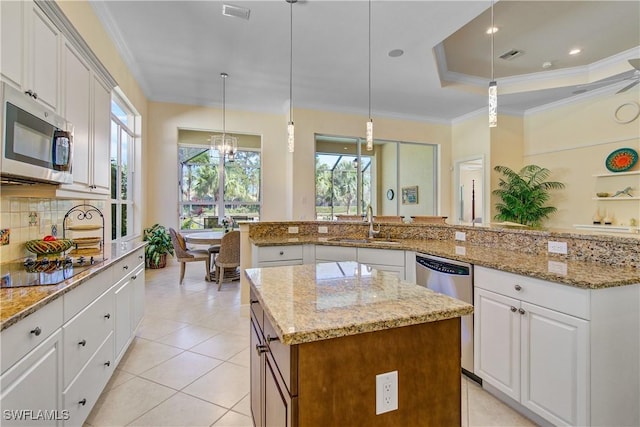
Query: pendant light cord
369	59
493	30
291	63
224	106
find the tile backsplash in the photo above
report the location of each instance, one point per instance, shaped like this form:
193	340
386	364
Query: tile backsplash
32	218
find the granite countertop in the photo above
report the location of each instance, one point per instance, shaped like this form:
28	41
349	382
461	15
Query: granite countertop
314	302
19	302
588	275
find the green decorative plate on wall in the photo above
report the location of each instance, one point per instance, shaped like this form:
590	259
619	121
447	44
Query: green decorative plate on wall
621	159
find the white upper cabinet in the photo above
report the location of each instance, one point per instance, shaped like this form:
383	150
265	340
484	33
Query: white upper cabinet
101	138
31	46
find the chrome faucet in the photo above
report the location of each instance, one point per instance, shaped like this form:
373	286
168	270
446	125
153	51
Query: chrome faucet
372	232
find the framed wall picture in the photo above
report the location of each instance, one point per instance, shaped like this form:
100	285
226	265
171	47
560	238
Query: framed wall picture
410	195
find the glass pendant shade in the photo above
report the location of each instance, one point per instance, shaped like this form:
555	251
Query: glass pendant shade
369	135
493	104
290	137
226	145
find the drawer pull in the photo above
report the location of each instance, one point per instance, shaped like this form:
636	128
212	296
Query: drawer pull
83	343
36	331
107	363
513	309
261	348
125	267
134	277
518	288
82	402
254	301
140	256
107	316
281	252
521	311
271	339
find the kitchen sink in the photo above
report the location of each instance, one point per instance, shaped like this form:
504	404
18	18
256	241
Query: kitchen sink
373	241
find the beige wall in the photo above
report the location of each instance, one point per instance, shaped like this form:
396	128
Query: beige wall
310	122
573	141
162	157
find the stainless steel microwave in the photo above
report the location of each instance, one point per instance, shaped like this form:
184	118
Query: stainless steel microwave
36	145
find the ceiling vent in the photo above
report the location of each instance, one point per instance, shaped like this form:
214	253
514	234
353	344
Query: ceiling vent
513	53
236	11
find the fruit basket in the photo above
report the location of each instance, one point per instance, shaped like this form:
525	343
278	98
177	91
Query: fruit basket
43	247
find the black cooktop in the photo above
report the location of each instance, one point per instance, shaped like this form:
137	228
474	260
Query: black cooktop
44	271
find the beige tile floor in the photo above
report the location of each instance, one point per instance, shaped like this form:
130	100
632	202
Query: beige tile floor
189	363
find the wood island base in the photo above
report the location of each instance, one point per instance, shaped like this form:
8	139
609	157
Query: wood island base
333	382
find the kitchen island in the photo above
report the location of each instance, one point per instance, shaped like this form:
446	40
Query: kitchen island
322	332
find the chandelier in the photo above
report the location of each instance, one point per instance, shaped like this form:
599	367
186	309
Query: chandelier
227	145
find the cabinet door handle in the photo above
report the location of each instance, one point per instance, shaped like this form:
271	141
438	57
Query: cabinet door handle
82	402
125	267
107	363
28	92
281	252
134	277
254	301
35	95
518	288
36	331
271	339
83	343
513	309
261	348
140	256
521	311
107	316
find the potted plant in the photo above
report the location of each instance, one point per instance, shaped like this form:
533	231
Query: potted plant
524	195
158	246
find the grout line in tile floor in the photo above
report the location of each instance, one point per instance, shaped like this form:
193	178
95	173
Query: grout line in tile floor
189	363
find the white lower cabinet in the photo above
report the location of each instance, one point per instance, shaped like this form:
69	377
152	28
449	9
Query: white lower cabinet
56	361
31	389
566	354
536	356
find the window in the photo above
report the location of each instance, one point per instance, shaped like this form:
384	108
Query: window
349	178
211	189
123	141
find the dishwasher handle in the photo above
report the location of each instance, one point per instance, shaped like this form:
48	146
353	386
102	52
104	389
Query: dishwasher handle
443	267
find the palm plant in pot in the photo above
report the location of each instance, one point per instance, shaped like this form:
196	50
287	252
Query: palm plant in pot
158	246
524	194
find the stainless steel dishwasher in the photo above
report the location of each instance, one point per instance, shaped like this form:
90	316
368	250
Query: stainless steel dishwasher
455	279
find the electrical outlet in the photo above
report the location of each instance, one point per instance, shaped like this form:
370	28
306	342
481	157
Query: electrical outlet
557	247
323	229
461	250
386	392
293	230
461	235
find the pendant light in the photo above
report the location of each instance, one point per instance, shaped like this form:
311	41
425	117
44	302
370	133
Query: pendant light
290	127
225	144
369	133
493	85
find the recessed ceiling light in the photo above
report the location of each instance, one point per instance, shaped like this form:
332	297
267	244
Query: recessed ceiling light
396	53
492	30
575	51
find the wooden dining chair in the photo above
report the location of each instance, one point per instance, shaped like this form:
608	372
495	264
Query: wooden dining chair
229	257
185	255
387	218
428	219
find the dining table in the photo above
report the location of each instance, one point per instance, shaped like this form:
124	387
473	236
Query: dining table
204	237
211	238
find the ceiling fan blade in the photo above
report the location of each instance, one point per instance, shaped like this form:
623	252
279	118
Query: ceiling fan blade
635	63
626	88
